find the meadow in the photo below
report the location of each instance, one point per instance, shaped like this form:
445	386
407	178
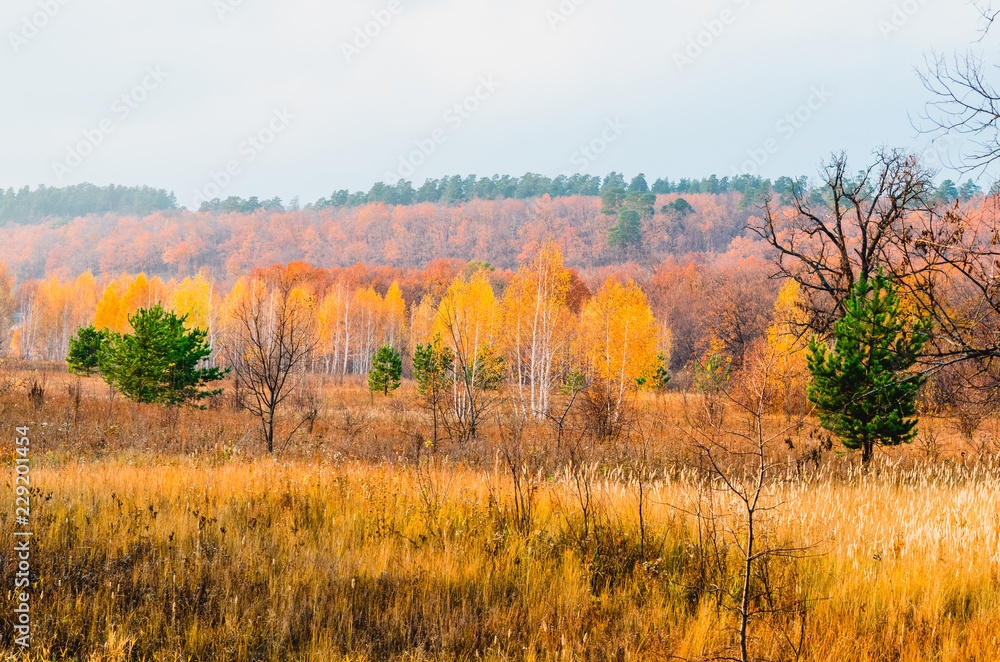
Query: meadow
172	535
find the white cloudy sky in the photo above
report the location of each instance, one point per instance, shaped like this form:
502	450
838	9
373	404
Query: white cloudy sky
558	87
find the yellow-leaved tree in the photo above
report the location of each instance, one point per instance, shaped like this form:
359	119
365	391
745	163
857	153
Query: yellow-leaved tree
422	318
54	318
367	306
333	330
85	293
199	299
125	295
144	292
8	307
467	322
537	325
109	314
618	346
394	317
787	342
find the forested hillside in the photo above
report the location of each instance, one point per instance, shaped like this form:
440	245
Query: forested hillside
502	232
704	271
31	206
596	221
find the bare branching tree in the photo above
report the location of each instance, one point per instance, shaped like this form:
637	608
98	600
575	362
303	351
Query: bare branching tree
950	274
520	462
478	376
742	494
562	405
965	102
960	289
988	12
945	260
842	232
271	337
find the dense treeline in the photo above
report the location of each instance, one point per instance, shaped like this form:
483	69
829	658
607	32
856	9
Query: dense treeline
457	189
27	206
30	206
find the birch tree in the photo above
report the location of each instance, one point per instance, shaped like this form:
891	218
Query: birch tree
537	326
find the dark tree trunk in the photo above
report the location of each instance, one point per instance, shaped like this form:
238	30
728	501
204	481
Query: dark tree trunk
867	448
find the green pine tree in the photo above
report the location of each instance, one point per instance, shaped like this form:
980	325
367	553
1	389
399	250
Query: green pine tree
631	208
159	361
387	368
861	390
659	377
628	231
84	350
432	368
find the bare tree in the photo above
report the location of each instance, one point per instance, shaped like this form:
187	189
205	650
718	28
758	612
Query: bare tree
842	232
741	308
944	260
949	272
742	493
961	287
479	372
271	337
963	100
521	463
575	384
988	13
966	391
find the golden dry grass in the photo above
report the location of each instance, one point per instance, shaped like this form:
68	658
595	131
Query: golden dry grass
176	539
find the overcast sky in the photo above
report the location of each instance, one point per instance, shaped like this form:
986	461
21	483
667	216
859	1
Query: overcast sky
294	102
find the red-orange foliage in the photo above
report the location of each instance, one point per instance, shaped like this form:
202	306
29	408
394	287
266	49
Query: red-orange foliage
505	233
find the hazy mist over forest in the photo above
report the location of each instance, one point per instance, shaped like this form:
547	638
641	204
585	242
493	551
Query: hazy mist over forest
302	98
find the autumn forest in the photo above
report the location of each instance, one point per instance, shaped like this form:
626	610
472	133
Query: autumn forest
282	380
387	262
615	425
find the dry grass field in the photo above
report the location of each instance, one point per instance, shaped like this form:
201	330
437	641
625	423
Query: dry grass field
172	536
